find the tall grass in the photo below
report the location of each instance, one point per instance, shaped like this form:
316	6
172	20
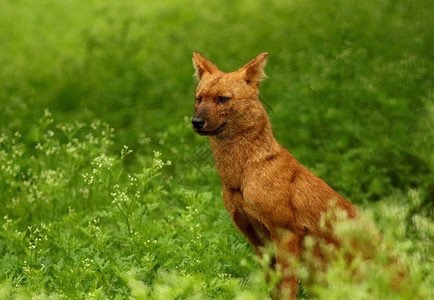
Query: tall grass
107	193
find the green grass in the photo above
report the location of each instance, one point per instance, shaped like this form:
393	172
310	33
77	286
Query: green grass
350	94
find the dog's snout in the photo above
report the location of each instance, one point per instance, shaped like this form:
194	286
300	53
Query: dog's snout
198	123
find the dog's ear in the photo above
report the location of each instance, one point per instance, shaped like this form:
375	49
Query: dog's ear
202	66
253	71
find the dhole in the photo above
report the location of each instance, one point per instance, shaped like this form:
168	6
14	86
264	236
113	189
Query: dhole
271	197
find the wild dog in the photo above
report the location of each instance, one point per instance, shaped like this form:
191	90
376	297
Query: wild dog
271	197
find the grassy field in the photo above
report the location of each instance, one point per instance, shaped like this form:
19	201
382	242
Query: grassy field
107	193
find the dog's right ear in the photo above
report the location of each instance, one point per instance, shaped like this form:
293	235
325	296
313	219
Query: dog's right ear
202	66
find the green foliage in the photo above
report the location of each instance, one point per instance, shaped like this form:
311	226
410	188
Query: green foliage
91	222
377	270
83	216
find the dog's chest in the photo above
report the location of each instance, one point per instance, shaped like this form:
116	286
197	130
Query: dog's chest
230	169
231	177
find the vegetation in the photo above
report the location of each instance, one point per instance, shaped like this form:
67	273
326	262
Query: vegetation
106	193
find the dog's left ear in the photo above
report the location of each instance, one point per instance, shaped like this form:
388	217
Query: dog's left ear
202	66
253	71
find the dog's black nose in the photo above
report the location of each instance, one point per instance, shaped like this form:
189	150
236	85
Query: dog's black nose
198	123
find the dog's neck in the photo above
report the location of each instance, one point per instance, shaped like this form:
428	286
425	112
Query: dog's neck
254	139
239	153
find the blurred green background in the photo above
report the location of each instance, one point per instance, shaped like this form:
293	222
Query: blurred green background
350	82
349	92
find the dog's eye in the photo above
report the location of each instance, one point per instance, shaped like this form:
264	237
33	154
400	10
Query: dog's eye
223	99
199	99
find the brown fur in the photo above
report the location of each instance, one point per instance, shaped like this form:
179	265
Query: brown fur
271	197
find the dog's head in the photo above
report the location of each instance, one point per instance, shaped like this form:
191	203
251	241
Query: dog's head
226	102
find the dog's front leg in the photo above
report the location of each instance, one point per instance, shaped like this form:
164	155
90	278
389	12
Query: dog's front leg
233	200
287	257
